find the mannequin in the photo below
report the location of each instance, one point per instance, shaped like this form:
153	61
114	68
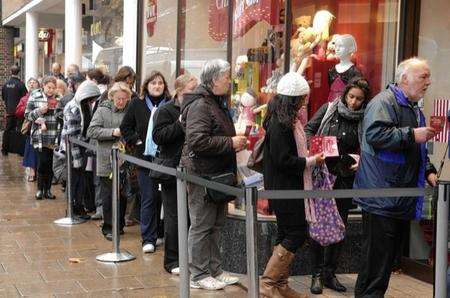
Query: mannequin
345	70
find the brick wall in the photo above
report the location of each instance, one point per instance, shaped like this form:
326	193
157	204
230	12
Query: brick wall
6	61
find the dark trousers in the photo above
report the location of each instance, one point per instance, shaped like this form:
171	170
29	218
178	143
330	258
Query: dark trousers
149	207
291	237
77	190
45	168
325	259
10	126
82	190
89	191
380	236
169	201
106	195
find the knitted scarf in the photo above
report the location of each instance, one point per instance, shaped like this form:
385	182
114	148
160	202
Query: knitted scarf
302	151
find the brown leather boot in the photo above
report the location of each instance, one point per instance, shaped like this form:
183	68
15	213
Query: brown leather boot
274	282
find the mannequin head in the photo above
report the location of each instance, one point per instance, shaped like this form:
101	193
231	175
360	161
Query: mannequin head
345	46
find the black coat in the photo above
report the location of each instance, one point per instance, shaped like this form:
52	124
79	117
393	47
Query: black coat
135	123
13	90
168	133
346	132
283	169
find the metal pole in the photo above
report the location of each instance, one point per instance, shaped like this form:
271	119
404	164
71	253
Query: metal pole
440	278
183	236
251	194
70	219
116	255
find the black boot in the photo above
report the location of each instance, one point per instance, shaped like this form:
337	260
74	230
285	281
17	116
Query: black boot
40	185
331	255
316	284
330	281
47	185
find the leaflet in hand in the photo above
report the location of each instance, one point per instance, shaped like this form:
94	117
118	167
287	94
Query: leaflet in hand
437	123
325	144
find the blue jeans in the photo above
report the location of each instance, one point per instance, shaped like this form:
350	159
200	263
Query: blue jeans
149	212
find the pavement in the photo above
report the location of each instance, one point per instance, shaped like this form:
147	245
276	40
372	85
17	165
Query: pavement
41	259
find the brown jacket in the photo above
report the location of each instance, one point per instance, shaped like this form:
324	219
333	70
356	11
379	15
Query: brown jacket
208	149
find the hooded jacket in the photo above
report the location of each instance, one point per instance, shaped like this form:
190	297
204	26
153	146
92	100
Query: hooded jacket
208	148
74	118
106	118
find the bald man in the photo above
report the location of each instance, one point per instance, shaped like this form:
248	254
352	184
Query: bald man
56	71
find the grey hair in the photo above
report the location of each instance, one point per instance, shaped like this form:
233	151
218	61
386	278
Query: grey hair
212	70
405	65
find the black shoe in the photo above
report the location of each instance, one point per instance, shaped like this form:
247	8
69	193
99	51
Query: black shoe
333	283
108	236
39	195
48	195
4	153
316	284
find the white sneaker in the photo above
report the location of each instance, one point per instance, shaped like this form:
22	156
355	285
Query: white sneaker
227	279
208	283
175	271
148	248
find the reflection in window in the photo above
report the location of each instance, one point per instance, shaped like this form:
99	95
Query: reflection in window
102	35
160	37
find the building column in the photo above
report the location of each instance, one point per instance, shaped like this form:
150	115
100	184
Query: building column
130	25
72	39
31	45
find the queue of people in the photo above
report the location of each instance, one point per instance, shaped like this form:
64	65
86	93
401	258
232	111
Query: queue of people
380	141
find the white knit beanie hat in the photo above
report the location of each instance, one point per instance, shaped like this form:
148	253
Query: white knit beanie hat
293	84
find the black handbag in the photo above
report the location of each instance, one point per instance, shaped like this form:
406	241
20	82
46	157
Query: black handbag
166	162
217	197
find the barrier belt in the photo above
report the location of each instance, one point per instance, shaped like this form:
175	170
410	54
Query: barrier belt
91	147
343	193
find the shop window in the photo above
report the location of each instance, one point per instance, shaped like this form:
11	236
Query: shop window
160	38
366	28
257	65
102	36
204	33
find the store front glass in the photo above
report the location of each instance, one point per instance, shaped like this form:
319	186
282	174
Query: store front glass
204	33
160	38
102	35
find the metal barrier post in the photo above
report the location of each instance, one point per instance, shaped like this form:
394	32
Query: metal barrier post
115	256
251	220
70	219
440	278
183	236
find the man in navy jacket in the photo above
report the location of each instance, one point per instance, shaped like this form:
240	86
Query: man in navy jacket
13	90
393	154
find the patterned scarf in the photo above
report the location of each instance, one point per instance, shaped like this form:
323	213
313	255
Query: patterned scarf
302	151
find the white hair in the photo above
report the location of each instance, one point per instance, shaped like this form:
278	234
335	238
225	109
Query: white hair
212	70
404	67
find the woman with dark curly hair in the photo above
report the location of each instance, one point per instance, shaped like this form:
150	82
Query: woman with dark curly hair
341	118
286	166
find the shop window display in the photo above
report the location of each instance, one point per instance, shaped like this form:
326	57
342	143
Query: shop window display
331	42
102	35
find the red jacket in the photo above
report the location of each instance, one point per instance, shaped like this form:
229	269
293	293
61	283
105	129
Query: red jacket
20	109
